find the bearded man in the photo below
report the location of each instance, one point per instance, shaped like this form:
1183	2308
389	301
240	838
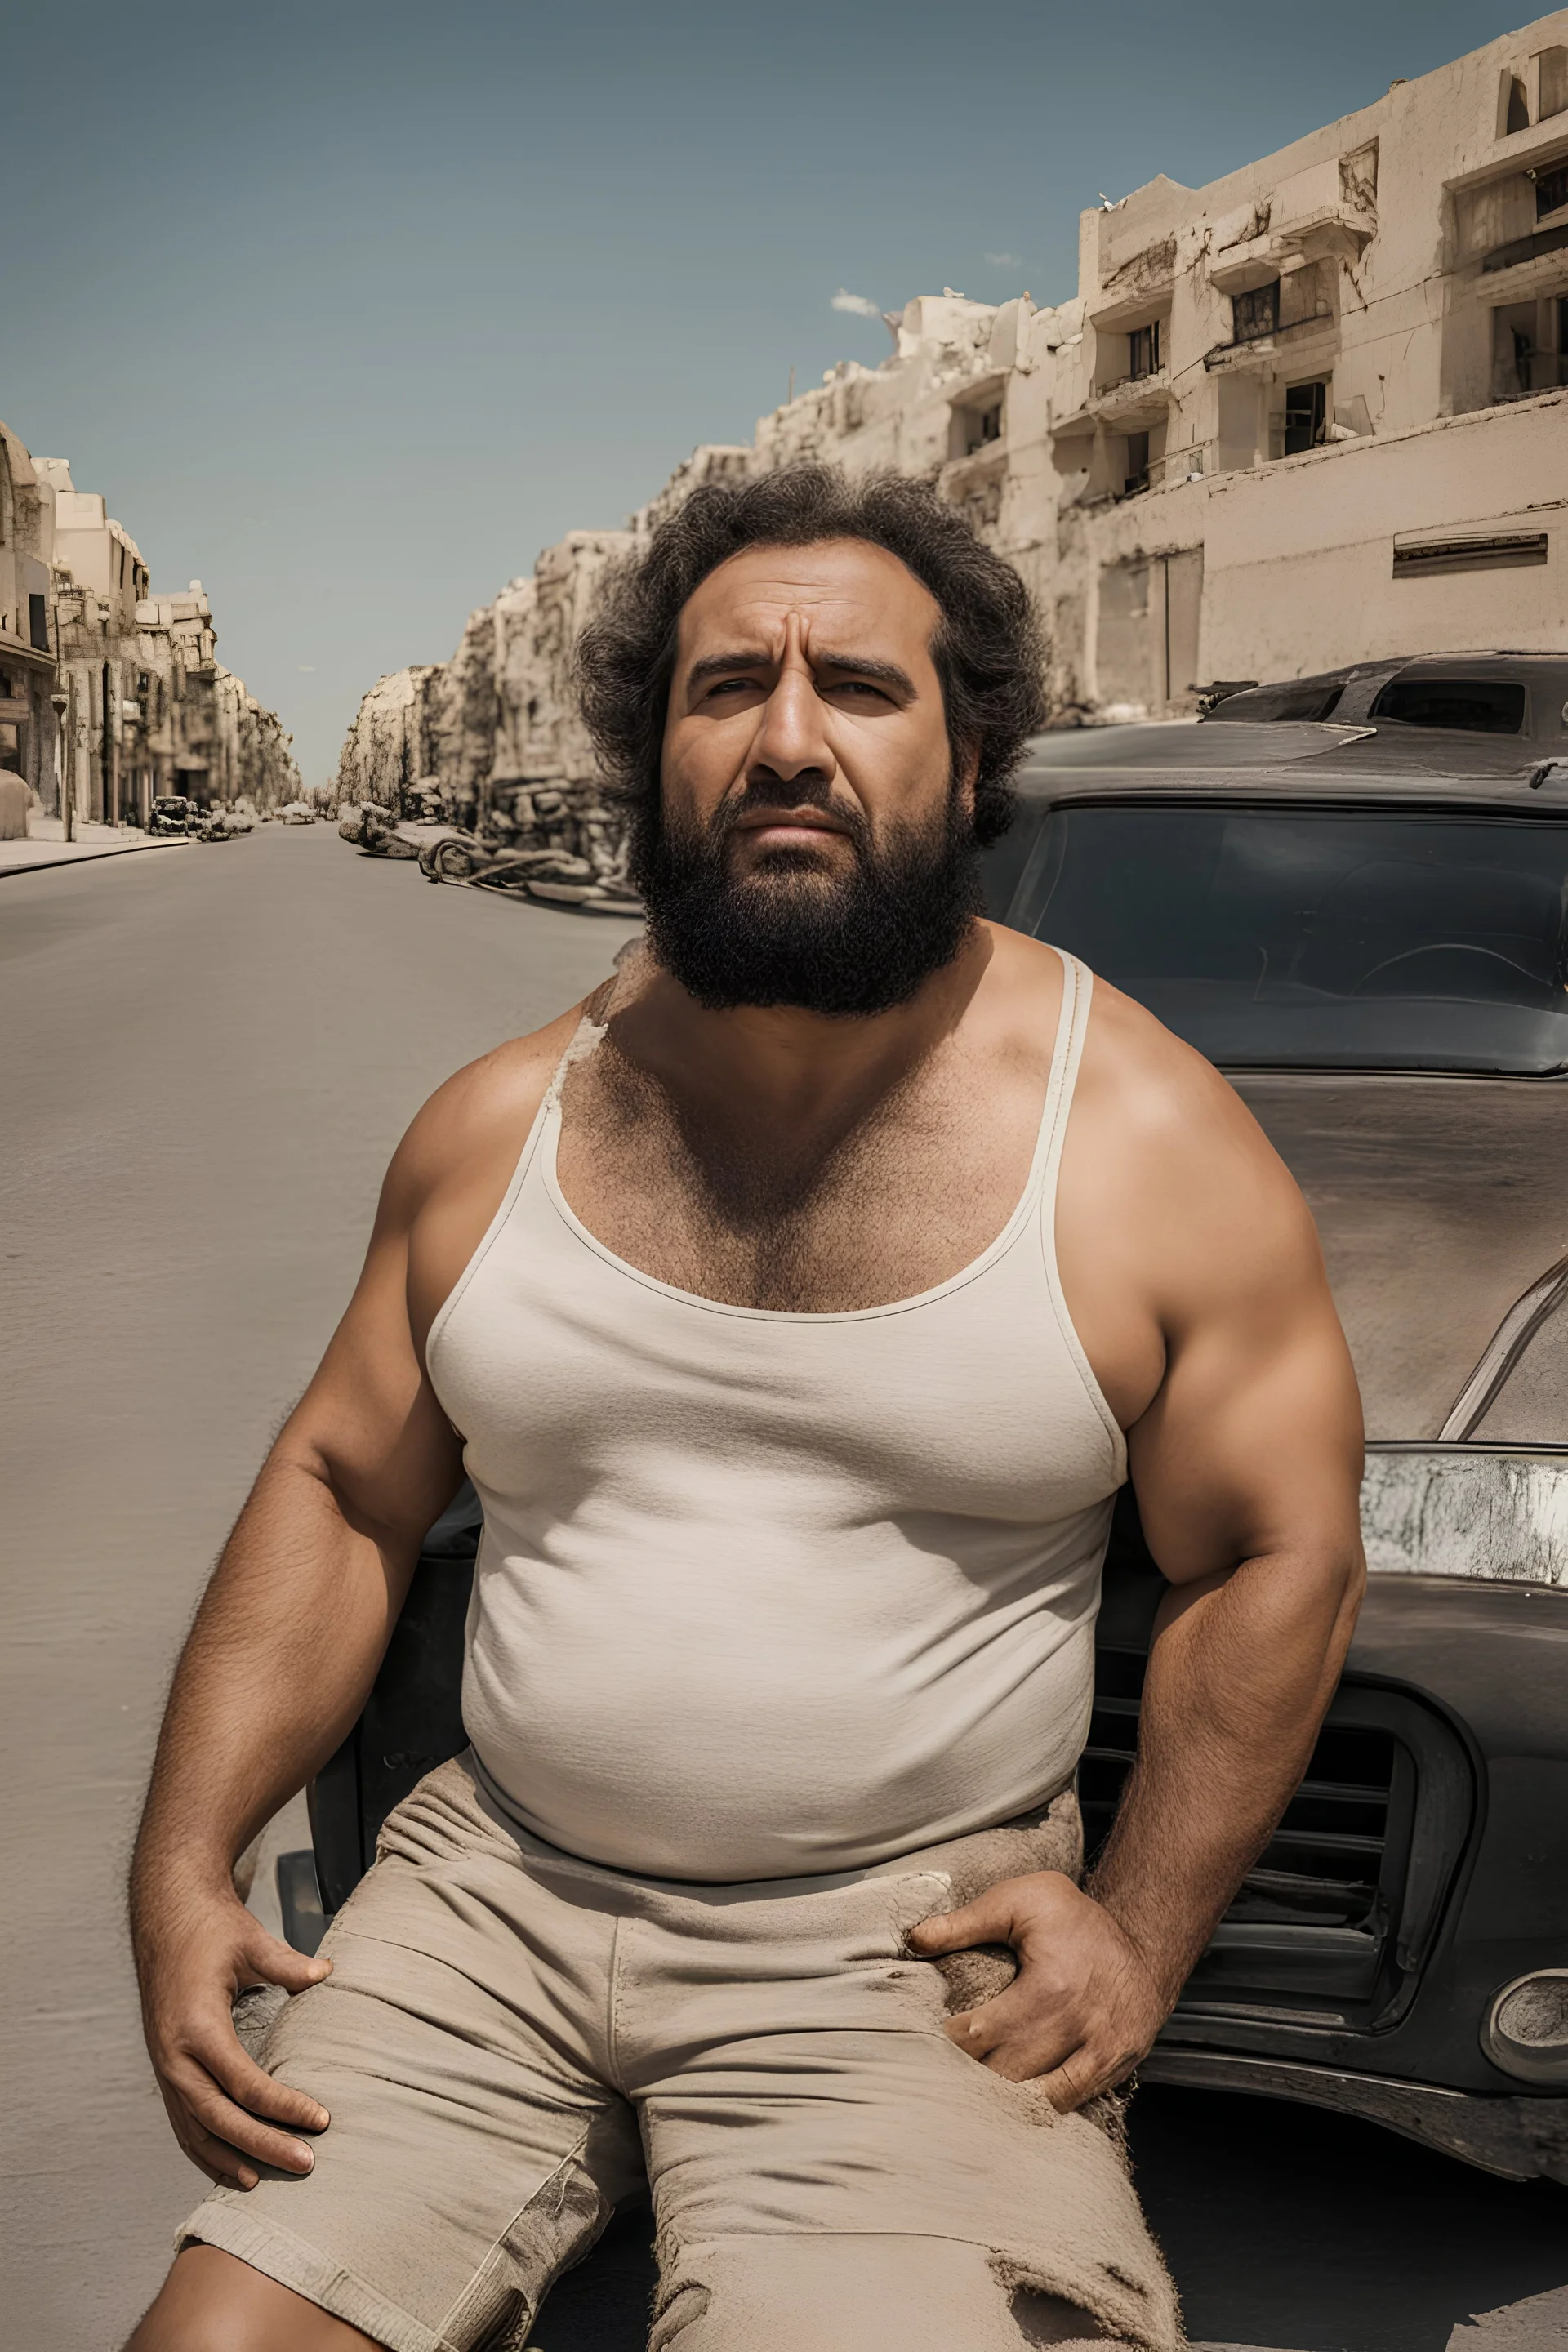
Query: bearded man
797	1305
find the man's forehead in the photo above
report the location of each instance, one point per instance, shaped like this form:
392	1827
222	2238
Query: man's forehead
852	584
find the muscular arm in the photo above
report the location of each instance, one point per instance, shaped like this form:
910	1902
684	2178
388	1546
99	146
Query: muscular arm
1247	1473
293	1625
1246	1465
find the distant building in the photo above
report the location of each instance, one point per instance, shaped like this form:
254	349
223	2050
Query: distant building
1314	411
29	667
103	685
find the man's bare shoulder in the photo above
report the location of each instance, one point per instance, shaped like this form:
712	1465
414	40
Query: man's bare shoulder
1158	1083
1172	1153
484	1110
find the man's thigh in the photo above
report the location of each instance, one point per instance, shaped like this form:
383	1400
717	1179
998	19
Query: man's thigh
871	2293
845	2144
474	2149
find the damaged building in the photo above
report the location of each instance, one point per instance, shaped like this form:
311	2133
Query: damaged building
1314	411
111	696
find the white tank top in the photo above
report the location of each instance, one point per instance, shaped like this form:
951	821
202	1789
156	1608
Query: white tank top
760	1593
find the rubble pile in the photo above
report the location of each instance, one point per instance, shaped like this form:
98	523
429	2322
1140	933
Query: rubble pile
560	844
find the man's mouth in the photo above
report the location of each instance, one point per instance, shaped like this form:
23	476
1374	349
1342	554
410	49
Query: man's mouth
789	829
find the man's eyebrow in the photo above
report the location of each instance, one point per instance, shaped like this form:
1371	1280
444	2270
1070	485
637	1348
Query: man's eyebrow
886	672
722	664
725	665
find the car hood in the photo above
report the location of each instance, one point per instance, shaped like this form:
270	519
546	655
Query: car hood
1438	1201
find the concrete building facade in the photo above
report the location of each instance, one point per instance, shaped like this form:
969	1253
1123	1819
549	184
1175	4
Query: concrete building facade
1316	411
111	696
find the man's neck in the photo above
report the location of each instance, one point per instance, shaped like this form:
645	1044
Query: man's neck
780	1064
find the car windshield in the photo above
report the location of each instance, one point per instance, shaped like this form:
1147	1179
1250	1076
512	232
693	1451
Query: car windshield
1318	938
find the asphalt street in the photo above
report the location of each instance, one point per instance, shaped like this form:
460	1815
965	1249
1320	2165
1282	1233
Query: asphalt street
205	1060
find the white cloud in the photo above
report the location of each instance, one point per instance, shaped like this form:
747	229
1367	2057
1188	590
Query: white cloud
1004	260
860	304
307	669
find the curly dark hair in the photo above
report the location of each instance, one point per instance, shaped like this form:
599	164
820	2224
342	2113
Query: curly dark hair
988	650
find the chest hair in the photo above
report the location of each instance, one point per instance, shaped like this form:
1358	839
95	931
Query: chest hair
879	1205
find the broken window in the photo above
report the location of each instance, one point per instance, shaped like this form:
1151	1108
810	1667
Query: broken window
1550	190
1137	475
1306	417
1531	349
1518	117
1143	350
1257	313
981	426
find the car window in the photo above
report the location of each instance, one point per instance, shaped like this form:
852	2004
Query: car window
1480	706
1318	938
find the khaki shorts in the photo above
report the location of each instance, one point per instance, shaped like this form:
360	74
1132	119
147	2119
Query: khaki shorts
512	2040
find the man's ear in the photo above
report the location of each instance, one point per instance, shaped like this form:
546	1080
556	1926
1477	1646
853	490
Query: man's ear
965	773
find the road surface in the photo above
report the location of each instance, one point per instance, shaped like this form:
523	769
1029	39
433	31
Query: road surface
204	1061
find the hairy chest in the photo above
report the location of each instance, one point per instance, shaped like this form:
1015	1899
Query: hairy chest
823	1219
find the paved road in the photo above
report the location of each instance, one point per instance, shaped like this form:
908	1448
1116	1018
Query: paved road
204	1061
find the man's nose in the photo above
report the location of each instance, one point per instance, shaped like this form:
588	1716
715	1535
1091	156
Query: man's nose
791	743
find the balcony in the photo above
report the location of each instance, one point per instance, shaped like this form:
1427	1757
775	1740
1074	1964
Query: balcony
1527	266
1336	231
1132	404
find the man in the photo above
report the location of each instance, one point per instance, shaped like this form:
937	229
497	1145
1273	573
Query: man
796	1306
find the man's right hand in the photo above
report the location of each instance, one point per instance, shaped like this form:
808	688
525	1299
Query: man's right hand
193	1960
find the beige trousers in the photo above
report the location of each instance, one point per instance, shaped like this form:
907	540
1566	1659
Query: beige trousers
512	2040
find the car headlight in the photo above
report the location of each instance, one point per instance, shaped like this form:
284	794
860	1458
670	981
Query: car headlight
1467	1511
1526	2031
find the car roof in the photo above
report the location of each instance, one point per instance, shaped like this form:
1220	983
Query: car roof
1350	691
1293	760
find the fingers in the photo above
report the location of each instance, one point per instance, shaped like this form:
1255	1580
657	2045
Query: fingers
1067	2060
1083	2078
986	1921
224	2166
265	1960
1002	1914
1014	2036
210	2117
220	2055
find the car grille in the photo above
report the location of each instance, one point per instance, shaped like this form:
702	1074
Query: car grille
1321	1927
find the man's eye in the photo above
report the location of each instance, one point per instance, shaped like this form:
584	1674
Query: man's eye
730	686
860	686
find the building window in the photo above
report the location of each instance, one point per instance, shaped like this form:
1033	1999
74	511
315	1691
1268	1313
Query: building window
1518	115
38	625
1143	350
1256	314
1550	190
1531	351
1306	417
1137	465
981	426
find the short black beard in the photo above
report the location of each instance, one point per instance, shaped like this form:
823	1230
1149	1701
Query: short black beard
789	934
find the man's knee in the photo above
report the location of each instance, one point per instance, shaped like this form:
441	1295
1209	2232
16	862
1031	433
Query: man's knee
212	2301
862	2292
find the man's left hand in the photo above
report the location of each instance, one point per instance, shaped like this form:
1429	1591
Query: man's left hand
1085	2005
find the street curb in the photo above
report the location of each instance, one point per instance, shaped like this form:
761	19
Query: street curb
85	857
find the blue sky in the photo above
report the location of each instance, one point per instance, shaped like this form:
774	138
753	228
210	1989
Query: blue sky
350	309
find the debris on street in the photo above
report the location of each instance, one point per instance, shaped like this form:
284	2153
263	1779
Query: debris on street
560	846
